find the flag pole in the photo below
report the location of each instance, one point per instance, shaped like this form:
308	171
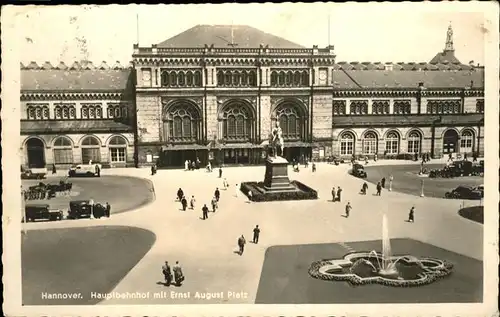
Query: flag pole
329	29
137	25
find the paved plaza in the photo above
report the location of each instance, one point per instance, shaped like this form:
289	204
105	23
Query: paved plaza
206	248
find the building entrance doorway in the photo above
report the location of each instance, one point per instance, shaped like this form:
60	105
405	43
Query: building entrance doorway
450	142
236	156
36	153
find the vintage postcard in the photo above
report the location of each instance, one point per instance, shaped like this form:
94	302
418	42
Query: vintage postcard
259	159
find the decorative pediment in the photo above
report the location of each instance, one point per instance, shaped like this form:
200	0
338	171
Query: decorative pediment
70	96
221	100
301	101
167	102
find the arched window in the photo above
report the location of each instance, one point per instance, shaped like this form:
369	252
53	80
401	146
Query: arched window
274	79
370	143
305	78
281	79
414	142
181	79
290	122
91	150
392	143
165	79
227	78
58	112
347	143
189	79
98	112
237	123
118	149
252	78
181	123
173	79
197	78
296	79
467	142
85	112
236	79
63	150
244	78
289	78
38	112
220	78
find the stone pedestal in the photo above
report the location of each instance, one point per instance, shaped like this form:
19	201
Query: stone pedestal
276	177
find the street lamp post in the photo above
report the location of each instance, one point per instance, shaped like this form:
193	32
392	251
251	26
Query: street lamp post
421	188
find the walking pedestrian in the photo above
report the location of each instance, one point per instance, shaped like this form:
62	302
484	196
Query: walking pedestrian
167	273
225	184
348	208
54	170
186	165
205	211
256	233
184	203
379	188
217	193
411	214
220	172
382	182
108	209
214	204
364	188
391	178
313	167
180	194
192	202
178	275
333	194
339	194
241	244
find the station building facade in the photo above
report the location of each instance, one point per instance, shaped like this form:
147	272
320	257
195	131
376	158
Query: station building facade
215	92
77	113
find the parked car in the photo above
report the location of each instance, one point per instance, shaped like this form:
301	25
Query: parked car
335	160
42	212
89	170
33	173
358	170
84	208
79	209
465	192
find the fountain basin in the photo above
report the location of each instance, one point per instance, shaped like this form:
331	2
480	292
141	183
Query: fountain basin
359	268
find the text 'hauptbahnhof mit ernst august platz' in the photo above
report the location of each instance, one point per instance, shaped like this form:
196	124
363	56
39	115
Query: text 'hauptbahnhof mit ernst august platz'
214	92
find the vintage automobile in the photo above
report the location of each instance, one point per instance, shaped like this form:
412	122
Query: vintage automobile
84	208
335	160
358	170
478	168
41	212
465	192
89	170
33	173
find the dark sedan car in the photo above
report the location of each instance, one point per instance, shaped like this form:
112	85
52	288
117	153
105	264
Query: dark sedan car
358	170
465	192
42	212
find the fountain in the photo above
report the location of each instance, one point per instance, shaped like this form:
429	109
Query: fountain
359	268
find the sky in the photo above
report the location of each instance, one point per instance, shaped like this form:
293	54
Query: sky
360	32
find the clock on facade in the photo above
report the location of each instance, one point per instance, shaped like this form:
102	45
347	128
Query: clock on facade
322	76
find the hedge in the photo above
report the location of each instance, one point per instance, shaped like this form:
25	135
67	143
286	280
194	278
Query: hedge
304	192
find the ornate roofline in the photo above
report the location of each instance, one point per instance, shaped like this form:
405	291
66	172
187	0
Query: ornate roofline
77	65
61	95
407	92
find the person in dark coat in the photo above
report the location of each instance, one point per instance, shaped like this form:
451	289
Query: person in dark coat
348	208
54	170
411	214
379	188
382	182
217	193
256	233
474	157
180	194
178	275
205	211
98	171
313	167
333	194
364	188
184	203
108	209
241	244
167	273
220	172
339	194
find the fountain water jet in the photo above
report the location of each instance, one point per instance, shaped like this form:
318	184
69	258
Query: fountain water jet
388	268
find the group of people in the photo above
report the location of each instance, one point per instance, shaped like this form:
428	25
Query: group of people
178	276
184	203
336	194
242	241
192	165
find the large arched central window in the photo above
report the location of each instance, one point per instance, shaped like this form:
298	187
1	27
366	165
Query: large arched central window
91	150
63	150
347	143
237	123
181	123
414	139
467	141
290	121
118	149
392	143
370	143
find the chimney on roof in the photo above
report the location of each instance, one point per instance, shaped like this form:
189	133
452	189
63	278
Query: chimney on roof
117	65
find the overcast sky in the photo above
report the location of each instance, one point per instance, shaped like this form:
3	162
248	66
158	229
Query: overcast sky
360	32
